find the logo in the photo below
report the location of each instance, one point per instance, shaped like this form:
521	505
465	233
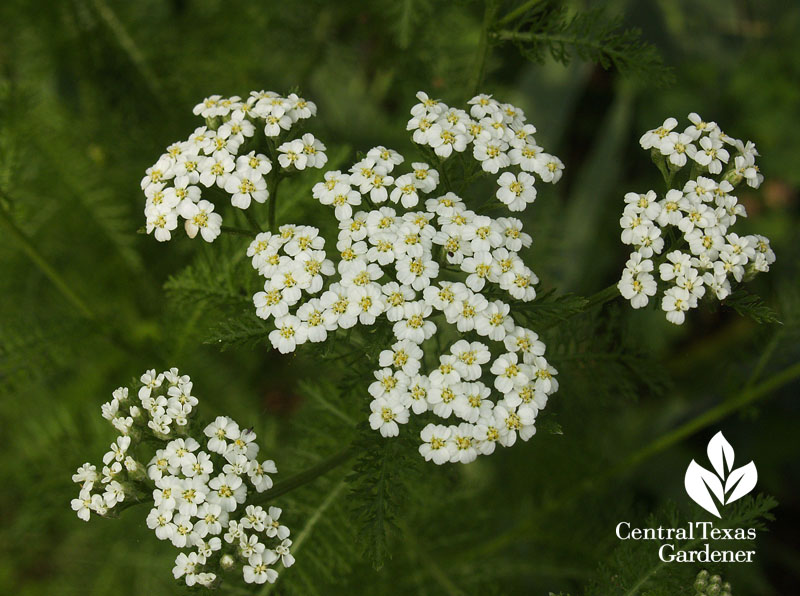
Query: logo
693	541
724	483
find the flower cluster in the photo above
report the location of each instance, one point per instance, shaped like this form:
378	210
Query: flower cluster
500	138
202	497
223	156
413	267
703	255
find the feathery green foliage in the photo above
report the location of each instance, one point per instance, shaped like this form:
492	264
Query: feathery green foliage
378	490
751	305
552	29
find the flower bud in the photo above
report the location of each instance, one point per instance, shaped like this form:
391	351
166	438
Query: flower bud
733	178
227	562
135	469
700	585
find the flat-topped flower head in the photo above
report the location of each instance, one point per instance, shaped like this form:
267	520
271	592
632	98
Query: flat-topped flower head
397	239
200	490
699	212
226	153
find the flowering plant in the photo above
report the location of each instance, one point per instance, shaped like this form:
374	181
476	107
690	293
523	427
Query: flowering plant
431	274
385	291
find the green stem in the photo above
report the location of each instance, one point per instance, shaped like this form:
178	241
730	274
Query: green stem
41	262
429	563
661	163
368	201
518	12
443	171
489	12
601	297
764	359
306	476
747	396
252	219
114	335
298	541
273	201
467	179
130	48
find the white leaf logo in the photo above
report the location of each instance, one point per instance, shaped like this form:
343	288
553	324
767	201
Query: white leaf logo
741	482
720	453
727	484
699	482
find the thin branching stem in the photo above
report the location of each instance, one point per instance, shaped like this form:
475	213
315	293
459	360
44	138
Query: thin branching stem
479	70
442	165
428	561
308	528
108	327
41	262
747	396
517	12
764	358
601	297
306	476
251	218
130	48
273	201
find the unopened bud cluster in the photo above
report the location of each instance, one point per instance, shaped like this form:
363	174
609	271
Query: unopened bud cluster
706	584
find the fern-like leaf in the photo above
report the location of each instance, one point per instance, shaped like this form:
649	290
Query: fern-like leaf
377	489
218	278
243	331
549	308
550	29
751	305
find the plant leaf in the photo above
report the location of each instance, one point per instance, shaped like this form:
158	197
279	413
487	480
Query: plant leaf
751	305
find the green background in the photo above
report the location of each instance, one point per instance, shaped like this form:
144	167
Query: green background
92	91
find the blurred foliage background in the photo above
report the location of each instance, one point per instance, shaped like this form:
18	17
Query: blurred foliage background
91	91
